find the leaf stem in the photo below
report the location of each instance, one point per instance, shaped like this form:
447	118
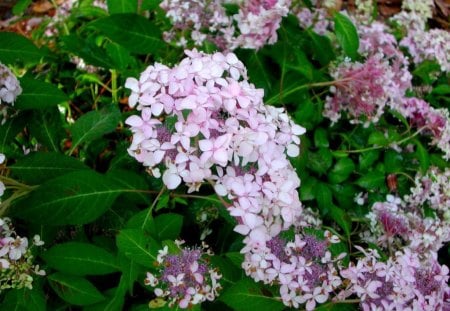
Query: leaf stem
153	206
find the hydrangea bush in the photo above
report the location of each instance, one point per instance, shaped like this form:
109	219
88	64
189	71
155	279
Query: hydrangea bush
223	155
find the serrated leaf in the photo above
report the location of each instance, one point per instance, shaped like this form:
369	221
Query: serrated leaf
134	32
38	94
75	198
246	295
17	48
74	290
347	35
93	125
42	166
137	246
81	259
322	49
8	132
87	50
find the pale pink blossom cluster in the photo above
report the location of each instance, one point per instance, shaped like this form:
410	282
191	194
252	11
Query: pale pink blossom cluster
195	21
9	86
186	278
16	266
258	22
361	90
9	90
429	45
431	121
316	19
406	281
202	116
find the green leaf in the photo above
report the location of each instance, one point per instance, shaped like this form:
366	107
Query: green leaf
24	299
93	125
120	56
341	170
16	48
320	138
378	138
20	7
46	126
42	166
372	180
341	218
321	48
81	259
135	245
75	198
8	132
122	6
168	226
246	295
320	161
366	159
346	35
74	290
393	161
87	49
132	181
134	32
324	196
38	94
422	155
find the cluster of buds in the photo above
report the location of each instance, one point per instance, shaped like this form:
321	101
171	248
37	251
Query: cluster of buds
16	260
185	277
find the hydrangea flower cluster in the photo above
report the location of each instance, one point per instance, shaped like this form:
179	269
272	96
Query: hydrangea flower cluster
258	22
360	89
203	20
304	268
429	45
9	86
421	8
315	19
186	278
432	190
16	260
397	223
404	282
435	122
255	24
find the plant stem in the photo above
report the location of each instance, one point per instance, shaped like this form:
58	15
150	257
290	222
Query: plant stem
153	206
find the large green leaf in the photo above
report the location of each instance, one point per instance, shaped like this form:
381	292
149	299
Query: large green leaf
346	34
87	50
42	166
134	32
77	258
24	299
246	295
74	289
75	198
122	6
133	181
168	226
46	126
341	170
16	48
137	246
371	180
38	94
93	125
8	132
